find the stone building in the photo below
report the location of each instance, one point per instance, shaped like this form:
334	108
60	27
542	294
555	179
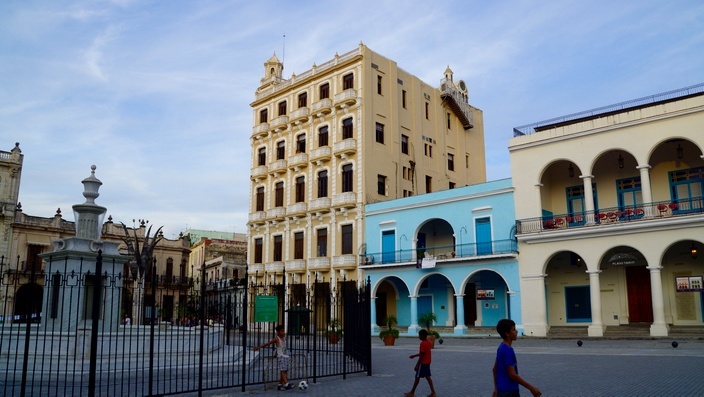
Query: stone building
354	130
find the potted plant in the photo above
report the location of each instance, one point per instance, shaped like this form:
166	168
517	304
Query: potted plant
389	334
427	320
334	332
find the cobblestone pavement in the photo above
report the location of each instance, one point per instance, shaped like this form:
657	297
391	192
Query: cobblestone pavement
462	367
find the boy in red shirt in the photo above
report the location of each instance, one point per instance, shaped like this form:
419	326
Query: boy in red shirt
422	367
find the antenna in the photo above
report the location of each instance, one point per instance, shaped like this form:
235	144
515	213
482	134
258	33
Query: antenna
283	54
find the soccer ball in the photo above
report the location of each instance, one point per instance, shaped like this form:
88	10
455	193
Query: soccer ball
302	385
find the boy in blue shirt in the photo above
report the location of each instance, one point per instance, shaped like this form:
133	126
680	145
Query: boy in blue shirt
506	378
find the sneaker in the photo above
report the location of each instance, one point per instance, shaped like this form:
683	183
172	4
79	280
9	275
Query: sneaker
280	387
288	386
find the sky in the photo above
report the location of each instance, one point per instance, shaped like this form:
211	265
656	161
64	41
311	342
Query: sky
156	94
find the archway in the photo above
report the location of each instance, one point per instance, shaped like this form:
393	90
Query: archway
485	299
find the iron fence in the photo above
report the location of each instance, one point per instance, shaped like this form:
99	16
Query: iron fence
59	337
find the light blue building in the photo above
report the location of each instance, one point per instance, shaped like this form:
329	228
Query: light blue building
451	252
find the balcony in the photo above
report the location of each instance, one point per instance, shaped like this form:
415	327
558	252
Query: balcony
321	205
280	123
300	116
604	217
260	131
344	200
274	267
322	263
321	155
258	173
298	161
346	98
257	218
277	213
296	266
450	254
296	210
255	268
347	261
345	148
277	167
322	107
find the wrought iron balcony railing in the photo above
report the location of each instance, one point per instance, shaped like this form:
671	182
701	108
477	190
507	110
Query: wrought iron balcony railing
449	253
611	215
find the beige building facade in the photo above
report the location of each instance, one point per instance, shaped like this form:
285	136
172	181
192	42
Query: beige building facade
354	130
10	176
610	216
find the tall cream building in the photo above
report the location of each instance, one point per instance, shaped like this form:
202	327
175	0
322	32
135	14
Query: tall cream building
354	130
610	217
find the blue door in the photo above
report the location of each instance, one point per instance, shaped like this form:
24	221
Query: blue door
425	305
483	233
388	246
578	304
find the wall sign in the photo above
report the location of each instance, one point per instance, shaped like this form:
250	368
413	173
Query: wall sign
485	294
266	308
689	284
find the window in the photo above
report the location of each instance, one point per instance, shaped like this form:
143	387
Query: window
452	185
403	98
279	195
687	189
301	143
448	120
322	242
34	261
378	85
347	178
428	150
404	144
258	250
325	91
298	245
428	184
450	161
407	193
169	270
282	108
348	81
300	189
280	150
323	136
466	160
347	128
261	157
322	184
346	234
381	184
303	100
427	111
264	116
278	248
379	133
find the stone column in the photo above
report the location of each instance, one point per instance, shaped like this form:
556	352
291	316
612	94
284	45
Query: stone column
596	328
659	326
535	315
460	328
588	198
414	328
372	311
646	190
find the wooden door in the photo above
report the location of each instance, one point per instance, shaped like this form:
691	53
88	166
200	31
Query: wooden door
640	302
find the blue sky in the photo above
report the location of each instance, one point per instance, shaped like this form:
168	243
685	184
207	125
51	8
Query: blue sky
156	93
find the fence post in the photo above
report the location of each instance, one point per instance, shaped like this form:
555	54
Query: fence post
202	329
152	316
367	320
245	325
28	330
315	329
95	318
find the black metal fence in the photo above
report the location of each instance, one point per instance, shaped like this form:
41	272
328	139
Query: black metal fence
59	337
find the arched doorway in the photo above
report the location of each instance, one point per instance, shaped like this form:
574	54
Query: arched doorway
485	299
634	267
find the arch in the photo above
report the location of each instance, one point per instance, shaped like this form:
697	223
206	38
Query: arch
672	142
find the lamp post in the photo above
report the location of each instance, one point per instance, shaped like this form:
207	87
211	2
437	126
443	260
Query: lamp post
460	250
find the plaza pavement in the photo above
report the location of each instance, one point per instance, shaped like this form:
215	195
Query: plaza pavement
463	367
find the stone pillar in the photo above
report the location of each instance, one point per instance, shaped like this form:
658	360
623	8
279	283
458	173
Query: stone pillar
596	328
372	311
535	314
659	326
646	189
414	328
588	198
460	328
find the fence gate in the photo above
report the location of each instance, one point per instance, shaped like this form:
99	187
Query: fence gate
65	332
